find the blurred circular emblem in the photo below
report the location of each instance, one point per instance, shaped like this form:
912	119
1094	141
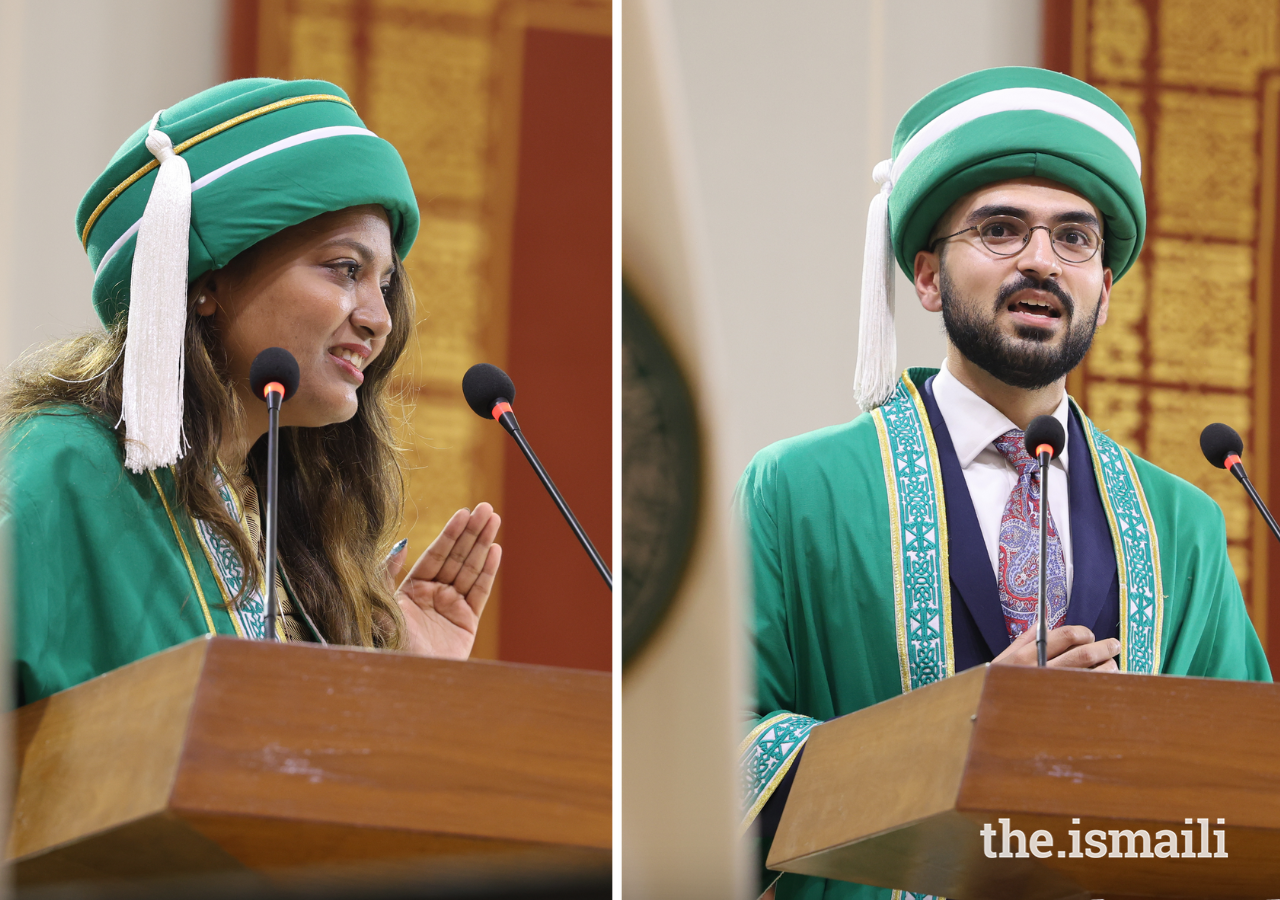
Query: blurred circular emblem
661	473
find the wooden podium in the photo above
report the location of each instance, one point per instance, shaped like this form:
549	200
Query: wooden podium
897	794
223	755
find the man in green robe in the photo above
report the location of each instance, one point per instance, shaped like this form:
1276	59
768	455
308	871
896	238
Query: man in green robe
902	547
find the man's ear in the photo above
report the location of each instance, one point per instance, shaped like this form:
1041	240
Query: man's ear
928	277
1104	299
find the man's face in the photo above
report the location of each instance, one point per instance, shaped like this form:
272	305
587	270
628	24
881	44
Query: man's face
1026	319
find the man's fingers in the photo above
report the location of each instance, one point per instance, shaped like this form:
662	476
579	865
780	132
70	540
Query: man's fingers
1063	638
1025	638
474	526
1014	654
434	557
1087	656
476	559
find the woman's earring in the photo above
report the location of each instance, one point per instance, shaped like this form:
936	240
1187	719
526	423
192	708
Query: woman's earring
205	305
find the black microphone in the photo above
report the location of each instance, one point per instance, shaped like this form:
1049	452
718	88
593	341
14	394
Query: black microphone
490	392
1221	445
1045	440
274	377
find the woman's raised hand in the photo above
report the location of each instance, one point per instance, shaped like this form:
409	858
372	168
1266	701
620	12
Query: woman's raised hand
444	593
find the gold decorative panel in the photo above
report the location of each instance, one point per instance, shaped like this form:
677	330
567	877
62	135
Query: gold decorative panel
1119	345
319	41
444	77
1174	423
1206	165
1189	338
1118	49
1223	45
1119	406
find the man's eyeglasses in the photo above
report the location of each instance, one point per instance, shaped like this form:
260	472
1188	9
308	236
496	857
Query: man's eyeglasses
1007	235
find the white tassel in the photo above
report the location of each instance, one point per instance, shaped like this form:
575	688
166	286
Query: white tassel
154	360
876	374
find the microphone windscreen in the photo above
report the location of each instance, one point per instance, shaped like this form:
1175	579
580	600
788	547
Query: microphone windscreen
274	364
1219	441
1045	430
484	385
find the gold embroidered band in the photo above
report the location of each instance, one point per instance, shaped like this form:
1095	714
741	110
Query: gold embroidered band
191	142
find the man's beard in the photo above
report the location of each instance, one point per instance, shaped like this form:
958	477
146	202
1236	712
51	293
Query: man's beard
1028	363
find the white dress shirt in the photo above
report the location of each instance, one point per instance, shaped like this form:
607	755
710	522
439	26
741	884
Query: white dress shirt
975	425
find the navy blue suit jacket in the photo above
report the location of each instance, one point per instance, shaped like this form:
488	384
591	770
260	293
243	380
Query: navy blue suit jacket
977	620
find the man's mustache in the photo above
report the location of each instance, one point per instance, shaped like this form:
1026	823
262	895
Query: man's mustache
1027	283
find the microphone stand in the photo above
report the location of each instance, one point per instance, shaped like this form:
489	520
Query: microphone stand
275	397
502	412
1042	604
1236	468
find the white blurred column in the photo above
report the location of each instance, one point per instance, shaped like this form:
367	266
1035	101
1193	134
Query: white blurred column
11	60
682	696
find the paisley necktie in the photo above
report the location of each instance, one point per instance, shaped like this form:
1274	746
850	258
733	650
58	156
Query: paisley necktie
1019	570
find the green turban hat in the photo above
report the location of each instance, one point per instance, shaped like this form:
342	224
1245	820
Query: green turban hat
203	181
982	128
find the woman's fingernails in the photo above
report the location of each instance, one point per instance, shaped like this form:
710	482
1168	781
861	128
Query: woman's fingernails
399	546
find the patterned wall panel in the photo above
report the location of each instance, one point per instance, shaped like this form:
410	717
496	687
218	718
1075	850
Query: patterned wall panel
1189	340
440	79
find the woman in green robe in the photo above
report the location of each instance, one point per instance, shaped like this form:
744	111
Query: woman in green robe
256	214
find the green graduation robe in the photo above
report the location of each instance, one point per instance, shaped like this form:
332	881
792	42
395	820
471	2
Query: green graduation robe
852	594
106	566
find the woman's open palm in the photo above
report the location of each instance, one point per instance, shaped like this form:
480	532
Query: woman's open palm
444	593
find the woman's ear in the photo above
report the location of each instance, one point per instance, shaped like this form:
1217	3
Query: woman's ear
203	295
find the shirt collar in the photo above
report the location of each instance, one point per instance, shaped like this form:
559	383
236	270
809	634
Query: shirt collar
974	424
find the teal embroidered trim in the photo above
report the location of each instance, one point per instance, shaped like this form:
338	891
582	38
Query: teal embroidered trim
250	616
907	895
1137	554
918	529
765	755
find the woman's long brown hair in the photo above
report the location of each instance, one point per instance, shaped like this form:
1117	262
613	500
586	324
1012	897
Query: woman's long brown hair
340	485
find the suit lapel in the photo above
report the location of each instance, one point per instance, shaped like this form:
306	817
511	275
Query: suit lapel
981	635
1095	584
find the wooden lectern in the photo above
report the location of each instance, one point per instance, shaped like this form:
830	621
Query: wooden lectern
897	794
223	755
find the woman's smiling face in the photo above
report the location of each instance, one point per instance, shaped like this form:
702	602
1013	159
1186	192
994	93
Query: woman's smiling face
317	290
